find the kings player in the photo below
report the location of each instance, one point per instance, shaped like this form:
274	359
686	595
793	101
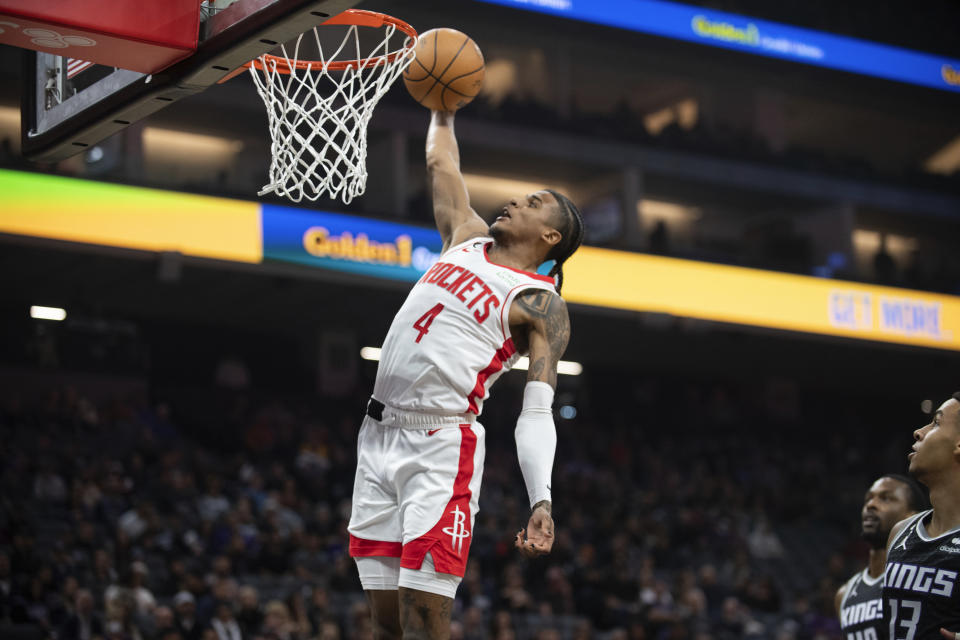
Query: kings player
420	450
921	584
890	499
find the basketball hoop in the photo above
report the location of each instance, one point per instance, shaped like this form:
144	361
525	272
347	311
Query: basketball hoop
318	110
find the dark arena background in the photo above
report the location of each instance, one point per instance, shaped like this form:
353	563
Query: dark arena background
768	293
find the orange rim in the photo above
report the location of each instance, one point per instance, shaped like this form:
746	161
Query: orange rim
359	17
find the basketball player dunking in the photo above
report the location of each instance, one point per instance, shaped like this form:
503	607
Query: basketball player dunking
858	602
921	590
420	450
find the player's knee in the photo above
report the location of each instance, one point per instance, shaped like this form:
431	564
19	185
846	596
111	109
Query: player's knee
385	615
388	629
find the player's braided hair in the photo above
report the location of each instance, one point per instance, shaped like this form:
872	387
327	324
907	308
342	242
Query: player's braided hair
571	232
918	498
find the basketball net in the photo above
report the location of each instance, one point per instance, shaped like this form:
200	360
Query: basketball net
318	113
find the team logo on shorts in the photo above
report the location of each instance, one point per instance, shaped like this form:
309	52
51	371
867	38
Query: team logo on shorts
458	531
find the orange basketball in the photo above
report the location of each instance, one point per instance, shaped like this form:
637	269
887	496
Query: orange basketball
447	72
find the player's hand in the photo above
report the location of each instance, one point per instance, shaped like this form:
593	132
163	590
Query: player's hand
537	539
949	635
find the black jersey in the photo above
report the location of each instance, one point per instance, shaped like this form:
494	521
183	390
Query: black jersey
921	592
861	611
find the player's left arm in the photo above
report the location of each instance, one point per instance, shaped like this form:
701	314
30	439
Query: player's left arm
544	314
895	531
548	332
838	597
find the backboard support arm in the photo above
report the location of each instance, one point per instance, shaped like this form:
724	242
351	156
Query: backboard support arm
243	31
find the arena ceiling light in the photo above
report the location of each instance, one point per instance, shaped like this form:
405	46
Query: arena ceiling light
564	367
370	353
946	160
508	187
671	213
569	368
490	193
171	146
685	113
48	313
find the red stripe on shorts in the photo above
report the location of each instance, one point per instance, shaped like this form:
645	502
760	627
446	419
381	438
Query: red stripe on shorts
449	540
360	548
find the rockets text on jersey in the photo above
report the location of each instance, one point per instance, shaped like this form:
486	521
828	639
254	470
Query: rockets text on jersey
451	338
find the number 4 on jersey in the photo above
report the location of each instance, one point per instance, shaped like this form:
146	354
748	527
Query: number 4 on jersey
423	322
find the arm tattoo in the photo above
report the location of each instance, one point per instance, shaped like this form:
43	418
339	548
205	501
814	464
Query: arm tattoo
548	314
536	302
536	368
545	504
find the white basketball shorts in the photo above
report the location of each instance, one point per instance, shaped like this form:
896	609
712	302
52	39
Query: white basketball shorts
416	493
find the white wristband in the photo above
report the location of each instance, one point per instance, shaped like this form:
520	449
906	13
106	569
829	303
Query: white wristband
536	438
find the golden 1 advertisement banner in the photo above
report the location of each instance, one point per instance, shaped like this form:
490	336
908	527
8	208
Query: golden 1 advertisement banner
153	220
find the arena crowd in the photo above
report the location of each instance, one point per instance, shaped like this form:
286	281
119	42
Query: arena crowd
129	520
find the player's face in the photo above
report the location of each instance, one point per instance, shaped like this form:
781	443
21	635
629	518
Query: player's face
525	218
937	445
885	504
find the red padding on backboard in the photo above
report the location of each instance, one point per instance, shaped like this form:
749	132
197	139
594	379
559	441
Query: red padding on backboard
144	36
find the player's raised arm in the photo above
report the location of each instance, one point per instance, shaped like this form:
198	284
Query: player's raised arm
456	220
548	324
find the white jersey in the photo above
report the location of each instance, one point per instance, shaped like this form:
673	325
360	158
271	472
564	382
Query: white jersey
451	338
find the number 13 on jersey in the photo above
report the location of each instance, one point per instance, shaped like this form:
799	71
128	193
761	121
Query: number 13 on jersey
423	322
899	620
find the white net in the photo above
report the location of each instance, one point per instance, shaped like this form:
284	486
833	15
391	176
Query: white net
318	115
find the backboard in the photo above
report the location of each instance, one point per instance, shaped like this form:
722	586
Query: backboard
70	105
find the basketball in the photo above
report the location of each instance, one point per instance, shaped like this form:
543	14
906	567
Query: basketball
447	72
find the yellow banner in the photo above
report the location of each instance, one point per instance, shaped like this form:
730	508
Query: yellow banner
154	220
120	216
623	280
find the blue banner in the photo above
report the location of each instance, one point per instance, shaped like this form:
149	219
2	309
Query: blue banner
348	243
751	35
